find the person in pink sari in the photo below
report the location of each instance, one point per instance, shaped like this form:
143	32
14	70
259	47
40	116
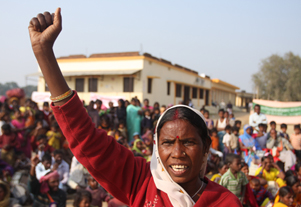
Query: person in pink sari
19	124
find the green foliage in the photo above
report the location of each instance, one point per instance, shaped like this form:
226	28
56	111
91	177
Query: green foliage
11	85
279	78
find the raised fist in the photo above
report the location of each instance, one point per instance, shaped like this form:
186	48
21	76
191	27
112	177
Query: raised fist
44	29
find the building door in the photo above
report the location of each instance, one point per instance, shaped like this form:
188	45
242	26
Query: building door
207	97
186	94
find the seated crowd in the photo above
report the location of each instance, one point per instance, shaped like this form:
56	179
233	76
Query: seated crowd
260	165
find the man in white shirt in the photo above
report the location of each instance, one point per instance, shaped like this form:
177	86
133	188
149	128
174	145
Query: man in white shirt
44	166
62	168
257	118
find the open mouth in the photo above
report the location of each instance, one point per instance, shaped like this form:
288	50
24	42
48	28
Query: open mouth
179	168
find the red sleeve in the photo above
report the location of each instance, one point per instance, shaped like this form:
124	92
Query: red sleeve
112	165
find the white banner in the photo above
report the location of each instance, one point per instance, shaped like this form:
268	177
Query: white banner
40	96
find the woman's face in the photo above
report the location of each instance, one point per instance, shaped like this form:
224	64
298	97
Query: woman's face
287	199
53	184
248	131
182	151
296	187
2	194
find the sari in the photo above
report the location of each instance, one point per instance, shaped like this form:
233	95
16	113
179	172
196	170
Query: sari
133	120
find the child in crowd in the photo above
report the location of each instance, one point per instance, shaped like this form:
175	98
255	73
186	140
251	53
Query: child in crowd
8	144
226	115
122	129
222	169
147	121
156	116
286	195
273	126
47	112
22	162
237	124
82	198
214	139
231	119
283	132
98	193
162	109
235	142
43	146
296	141
261	136
44	166
234	180
117	134
298	170
54	136
230	141
260	193
209	122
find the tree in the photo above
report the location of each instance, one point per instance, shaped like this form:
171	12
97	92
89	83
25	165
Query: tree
279	78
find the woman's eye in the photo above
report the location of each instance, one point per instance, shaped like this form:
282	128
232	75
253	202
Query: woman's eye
188	143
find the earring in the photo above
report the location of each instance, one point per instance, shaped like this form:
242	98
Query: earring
184	153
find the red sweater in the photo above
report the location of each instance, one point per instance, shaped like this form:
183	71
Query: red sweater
126	177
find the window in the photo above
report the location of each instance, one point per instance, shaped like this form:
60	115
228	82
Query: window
79	84
201	93
178	90
194	93
168	88
92	84
128	84
46	87
149	85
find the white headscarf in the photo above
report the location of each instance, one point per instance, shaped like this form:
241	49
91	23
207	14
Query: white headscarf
176	194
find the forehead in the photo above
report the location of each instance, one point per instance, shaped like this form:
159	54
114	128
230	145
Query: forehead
178	127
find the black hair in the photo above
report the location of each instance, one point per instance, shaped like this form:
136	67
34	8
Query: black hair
46	157
257	105
80	195
221	164
297	166
237	122
290	173
255	181
283	126
190	116
4	188
146	100
227	112
57	152
228	127
272	122
41	136
133	99
221	110
164	106
291	180
297	126
214	129
55	125
283	191
261	125
6	127
98	102
206	111
122	103
231	157
46	104
235	129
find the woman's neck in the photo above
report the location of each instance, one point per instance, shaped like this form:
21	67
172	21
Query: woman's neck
192	187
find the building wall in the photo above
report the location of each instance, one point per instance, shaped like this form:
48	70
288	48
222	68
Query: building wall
162	74
222	92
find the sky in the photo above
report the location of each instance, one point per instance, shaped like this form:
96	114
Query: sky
223	39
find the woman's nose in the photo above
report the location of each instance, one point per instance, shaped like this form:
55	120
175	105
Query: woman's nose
177	151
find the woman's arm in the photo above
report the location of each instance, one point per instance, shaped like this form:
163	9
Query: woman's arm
112	165
43	31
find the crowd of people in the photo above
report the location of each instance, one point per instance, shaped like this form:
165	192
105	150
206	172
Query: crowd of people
35	155
257	163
